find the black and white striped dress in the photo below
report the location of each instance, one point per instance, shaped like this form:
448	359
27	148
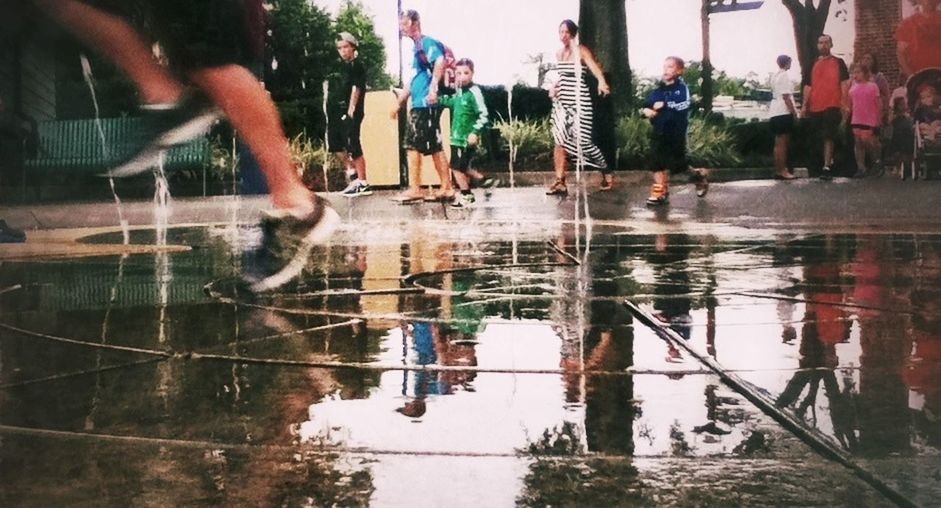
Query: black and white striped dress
566	120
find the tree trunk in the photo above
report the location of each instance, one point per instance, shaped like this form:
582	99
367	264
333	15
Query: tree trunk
603	29
809	23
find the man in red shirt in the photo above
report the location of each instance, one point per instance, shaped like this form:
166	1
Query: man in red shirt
825	99
919	38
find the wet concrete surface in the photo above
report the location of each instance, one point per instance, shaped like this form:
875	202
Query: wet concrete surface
484	357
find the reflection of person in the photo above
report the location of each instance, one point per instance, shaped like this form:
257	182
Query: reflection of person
825	95
211	42
782	113
668	107
436	344
346	116
918	38
572	110
468	117
423	132
865	118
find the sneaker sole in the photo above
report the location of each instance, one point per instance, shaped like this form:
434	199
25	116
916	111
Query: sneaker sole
318	234
150	155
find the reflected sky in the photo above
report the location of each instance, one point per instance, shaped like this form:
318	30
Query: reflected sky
499	349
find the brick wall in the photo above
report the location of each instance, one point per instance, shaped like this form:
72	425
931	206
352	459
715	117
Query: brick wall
875	30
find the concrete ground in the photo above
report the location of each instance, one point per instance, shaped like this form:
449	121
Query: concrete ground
776	343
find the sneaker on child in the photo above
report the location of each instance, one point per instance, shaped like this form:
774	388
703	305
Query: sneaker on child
462	200
286	244
357	188
164	127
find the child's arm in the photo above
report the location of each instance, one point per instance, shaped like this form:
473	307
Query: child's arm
595	69
482	116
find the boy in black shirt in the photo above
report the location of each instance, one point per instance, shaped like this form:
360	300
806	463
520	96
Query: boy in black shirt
346	117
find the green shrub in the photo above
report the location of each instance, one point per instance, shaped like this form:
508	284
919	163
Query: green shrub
633	138
711	145
531	140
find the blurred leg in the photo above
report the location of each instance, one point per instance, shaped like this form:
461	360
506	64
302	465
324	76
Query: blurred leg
113	38
253	114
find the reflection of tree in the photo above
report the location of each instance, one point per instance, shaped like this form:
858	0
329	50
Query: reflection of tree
559	476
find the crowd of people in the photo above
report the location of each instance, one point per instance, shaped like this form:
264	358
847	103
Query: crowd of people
210	46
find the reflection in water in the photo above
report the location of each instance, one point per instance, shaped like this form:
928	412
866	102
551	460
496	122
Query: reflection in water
861	363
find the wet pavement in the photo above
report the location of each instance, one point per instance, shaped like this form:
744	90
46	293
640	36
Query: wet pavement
495	356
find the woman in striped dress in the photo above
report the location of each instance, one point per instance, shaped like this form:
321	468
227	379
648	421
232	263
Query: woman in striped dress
570	97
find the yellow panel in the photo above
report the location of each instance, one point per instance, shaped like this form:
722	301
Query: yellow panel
380	138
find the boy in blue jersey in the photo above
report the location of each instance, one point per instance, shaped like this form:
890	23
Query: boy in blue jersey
468	118
667	107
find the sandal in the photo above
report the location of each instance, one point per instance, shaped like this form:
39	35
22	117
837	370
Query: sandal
558	188
607	182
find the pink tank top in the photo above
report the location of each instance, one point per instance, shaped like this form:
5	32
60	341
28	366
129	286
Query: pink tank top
867	104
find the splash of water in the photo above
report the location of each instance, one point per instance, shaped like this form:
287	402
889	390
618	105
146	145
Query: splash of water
105	151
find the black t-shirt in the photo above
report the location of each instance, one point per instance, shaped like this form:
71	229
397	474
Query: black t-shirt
352	74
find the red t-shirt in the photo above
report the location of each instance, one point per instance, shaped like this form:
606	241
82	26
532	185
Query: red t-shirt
922	33
826	80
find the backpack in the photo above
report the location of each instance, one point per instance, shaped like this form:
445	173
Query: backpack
448	77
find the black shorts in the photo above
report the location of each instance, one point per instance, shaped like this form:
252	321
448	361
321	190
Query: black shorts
462	157
668	153
343	135
423	132
826	123
782	124
199	34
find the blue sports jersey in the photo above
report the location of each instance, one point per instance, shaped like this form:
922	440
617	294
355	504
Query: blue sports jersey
426	54
673	119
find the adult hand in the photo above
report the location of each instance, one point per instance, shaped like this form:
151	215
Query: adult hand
648	113
394	113
350	112
603	89
472	139
432	97
657	106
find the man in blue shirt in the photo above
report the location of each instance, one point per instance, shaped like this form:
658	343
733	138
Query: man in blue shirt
423	132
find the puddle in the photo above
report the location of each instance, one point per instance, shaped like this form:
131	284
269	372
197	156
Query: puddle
496	350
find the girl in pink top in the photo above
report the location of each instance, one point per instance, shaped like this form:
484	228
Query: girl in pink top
866	117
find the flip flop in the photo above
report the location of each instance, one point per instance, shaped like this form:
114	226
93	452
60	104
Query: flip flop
407	200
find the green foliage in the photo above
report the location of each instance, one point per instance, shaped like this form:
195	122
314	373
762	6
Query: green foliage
353	18
711	145
526	139
302	46
633	138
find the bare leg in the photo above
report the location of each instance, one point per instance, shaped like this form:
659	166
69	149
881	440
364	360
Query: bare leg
559	162
359	164
828	152
444	173
662	178
252	112
859	150
414	174
781	143
462	179
112	37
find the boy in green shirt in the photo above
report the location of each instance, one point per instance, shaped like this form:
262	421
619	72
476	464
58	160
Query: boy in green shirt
468	117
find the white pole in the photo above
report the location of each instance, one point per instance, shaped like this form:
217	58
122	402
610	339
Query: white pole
326	137
509	108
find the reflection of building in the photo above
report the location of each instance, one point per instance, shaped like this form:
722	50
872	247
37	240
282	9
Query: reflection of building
876	21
